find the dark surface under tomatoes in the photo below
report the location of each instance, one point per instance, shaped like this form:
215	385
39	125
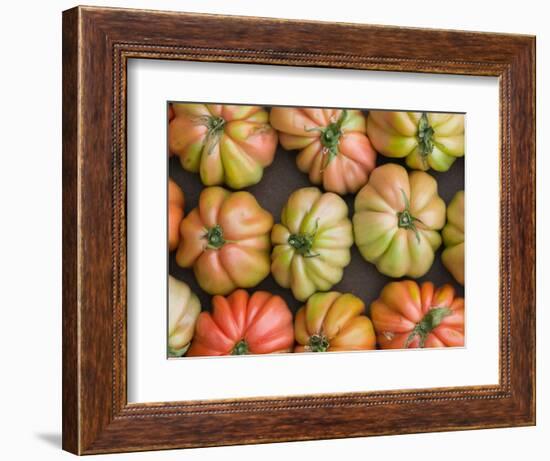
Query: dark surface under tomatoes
280	179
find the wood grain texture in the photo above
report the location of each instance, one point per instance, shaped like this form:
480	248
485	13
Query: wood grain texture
70	383
97	42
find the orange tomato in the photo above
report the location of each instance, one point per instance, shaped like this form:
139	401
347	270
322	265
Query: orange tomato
453	238
225	144
243	324
408	315
334	149
171	114
176	204
333	322
226	240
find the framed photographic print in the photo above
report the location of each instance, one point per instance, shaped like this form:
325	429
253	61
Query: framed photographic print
271	235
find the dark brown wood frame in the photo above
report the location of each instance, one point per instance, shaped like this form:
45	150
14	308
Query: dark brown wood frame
97	44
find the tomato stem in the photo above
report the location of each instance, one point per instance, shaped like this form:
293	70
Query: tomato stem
303	243
215	126
330	136
432	319
318	343
405	220
214	237
424	136
241	348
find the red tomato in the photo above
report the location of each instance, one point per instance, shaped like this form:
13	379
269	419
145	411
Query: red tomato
243	324
407	315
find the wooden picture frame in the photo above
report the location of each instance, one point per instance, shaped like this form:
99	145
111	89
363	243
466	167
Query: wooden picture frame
97	43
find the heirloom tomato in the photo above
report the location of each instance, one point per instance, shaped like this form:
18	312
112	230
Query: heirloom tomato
397	219
183	310
334	149
407	315
453	238
176	203
312	242
171	114
226	241
427	140
225	144
243	324
333	322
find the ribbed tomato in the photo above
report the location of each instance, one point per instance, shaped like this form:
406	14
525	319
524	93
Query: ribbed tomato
397	220
183	310
243	324
334	149
427	140
176	203
226	241
453	238
171	114
407	315
333	322
312	242
225	144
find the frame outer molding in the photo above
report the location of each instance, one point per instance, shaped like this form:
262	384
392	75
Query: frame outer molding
96	45
70	272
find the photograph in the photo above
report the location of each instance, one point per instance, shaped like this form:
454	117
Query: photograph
304	230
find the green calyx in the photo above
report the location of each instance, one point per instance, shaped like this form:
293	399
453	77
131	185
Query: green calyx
302	243
330	136
431	320
241	348
405	220
318	343
214	237
425	138
215	124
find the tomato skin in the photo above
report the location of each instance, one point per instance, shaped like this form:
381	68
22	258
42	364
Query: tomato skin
404	305
321	221
260	323
183	310
400	134
332	322
225	144
226	241
344	169
171	114
379	222
453	238
176	205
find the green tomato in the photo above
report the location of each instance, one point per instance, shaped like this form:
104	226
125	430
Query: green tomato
311	243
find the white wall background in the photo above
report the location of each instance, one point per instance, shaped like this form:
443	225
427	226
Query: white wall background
30	226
